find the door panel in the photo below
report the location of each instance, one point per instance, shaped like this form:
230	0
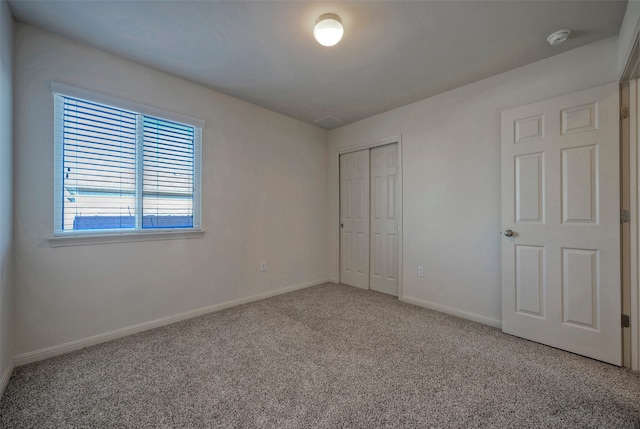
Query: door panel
579	197
529	188
580	285
530	280
354	219
561	199
385	219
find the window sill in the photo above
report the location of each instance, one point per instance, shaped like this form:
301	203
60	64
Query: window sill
120	237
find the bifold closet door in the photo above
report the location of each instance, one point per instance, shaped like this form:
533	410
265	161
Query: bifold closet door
354	219
385	219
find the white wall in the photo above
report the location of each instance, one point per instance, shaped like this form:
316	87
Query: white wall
264	198
451	174
628	32
6	193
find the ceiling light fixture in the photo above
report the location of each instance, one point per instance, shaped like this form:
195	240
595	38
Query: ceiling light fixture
328	29
558	37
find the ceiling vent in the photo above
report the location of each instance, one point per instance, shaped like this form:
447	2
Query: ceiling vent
328	121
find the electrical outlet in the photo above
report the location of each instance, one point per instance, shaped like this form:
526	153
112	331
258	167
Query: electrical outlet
263	265
420	271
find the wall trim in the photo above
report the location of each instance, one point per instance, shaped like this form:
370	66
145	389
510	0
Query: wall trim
82	343
634	224
98	97
453	311
6	376
629	76
122	237
369	145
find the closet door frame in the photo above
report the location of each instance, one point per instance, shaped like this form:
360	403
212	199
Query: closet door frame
336	230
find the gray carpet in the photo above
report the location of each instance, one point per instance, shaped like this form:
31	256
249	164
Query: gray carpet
325	357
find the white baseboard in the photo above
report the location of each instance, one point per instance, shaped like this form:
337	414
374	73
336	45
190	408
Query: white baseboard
453	311
70	346
6	376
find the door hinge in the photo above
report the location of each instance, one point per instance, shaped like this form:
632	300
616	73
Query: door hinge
624	112
625	321
624	216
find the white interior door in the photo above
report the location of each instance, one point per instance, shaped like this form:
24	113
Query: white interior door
385	219
561	200
354	219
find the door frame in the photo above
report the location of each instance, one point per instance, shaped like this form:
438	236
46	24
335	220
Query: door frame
629	129
627	201
370	145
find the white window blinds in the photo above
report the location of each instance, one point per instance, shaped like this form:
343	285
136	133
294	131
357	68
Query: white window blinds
167	184
123	170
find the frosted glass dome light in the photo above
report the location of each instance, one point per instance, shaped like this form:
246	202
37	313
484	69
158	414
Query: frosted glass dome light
328	29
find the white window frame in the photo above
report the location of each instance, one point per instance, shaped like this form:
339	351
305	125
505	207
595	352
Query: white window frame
70	238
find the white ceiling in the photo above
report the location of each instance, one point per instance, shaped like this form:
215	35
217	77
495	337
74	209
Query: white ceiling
392	53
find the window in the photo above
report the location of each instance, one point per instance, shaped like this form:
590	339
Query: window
123	170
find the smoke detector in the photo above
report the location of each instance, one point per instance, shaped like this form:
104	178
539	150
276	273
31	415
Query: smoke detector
558	37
